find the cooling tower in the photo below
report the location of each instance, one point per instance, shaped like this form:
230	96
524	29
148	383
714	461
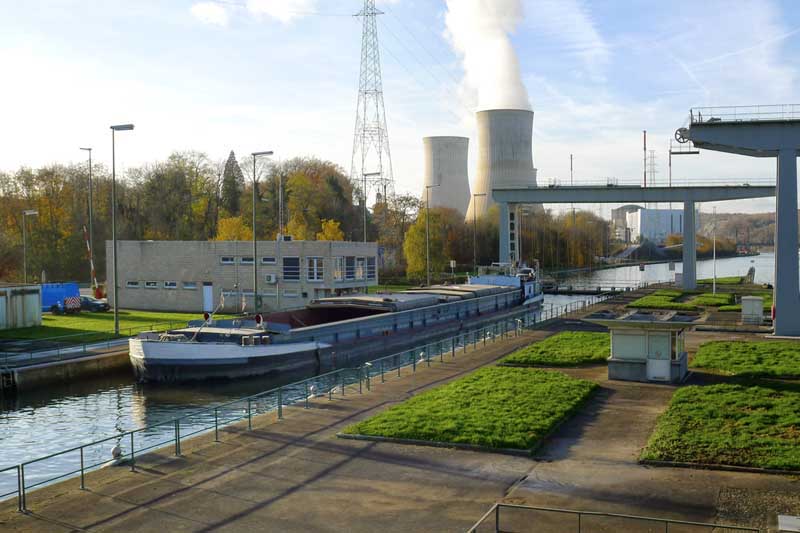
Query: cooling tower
505	155
446	168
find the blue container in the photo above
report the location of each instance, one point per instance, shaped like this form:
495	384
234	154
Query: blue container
57	293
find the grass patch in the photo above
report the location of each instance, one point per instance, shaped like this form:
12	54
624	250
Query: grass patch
663	299
87	327
750	359
708	299
754	426
727	280
496	407
767	306
567	348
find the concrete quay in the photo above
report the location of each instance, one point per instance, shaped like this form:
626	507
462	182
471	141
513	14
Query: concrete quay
296	475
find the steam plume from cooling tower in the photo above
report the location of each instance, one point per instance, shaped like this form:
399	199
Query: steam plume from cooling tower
479	31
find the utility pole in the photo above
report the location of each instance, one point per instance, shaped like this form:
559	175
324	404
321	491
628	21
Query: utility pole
714	233
256	297
644	167
92	278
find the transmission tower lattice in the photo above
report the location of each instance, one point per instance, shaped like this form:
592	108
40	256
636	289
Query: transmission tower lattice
372	160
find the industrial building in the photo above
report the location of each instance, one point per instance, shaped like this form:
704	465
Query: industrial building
653	225
446	175
196	276
505	155
619	221
20	305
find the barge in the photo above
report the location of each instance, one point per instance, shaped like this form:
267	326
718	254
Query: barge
332	332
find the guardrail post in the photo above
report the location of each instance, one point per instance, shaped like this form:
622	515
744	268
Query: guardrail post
453	347
133	455
342	375
464	341
249	415
497	519
441	352
413	362
280	403
428	355
177	437
383	379
360	376
21	489
369	383
306	383
579	522
216	425
83	486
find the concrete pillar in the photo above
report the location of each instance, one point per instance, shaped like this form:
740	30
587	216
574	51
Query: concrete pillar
786	296
689	247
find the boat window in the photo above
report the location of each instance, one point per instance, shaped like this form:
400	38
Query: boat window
291	268
132	285
338	268
349	268
170	284
246	260
190	285
227	260
315	268
371	268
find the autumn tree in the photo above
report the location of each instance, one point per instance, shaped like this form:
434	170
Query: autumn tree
233	229
330	231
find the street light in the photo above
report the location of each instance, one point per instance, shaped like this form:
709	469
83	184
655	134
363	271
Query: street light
475	231
256	299
26	213
114	294
714	287
91	230
428	231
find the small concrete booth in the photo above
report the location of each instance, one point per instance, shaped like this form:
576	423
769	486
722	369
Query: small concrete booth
20	305
646	346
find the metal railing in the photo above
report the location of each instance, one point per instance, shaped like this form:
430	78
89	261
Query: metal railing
131	444
508	518
748	113
63	347
661	182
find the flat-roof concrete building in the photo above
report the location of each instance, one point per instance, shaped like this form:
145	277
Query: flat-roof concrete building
20	305
196	276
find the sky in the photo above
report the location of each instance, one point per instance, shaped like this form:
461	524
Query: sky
282	75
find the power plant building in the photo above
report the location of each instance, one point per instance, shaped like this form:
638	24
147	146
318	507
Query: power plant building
654	225
505	155
446	172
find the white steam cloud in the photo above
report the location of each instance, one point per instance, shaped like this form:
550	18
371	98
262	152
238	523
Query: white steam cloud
479	31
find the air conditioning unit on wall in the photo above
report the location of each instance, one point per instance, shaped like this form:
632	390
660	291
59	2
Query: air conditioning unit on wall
271	278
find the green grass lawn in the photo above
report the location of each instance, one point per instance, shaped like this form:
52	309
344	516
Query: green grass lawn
750	359
567	348
708	299
86	327
663	299
756	426
727	280
767	306
496	407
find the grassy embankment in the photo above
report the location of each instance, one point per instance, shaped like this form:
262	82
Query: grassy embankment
568	348
749	421
495	407
89	327
668	299
727	280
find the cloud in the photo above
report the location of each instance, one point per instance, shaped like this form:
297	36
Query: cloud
284	11
210	13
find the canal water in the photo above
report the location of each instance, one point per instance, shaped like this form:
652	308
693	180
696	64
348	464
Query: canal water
39	423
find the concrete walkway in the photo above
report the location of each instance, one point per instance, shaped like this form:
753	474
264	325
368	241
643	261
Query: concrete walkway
293	475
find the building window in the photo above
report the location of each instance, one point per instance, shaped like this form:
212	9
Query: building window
132	285
350	268
227	260
246	260
338	268
315	268
360	268
291	268
190	285
290	294
170	284
150	284
268	261
371	268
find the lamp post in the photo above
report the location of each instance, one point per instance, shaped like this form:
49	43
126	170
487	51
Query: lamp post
714	286
114	292
475	231
25	214
91	231
428	232
256	299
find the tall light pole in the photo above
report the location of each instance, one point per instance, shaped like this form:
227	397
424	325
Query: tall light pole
25	214
475	231
114	292
714	281
428	231
256	298
91	230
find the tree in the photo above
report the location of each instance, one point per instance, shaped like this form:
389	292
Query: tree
233	229
447	241
232	185
330	231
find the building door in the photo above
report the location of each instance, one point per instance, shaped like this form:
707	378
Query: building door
208	296
658	356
